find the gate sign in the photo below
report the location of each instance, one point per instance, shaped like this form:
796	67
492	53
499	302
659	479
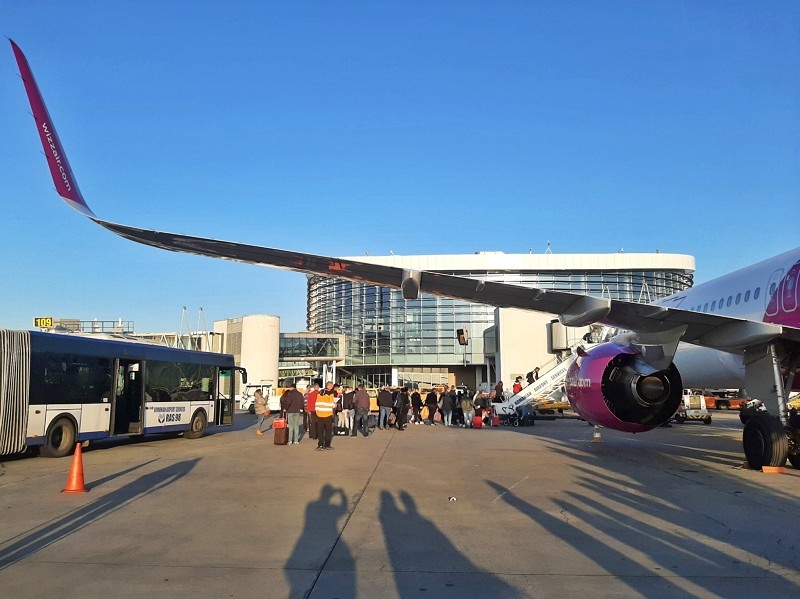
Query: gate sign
43	322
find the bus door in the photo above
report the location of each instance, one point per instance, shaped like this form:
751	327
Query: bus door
225	388
128	397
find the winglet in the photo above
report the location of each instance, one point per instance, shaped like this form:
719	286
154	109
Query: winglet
64	180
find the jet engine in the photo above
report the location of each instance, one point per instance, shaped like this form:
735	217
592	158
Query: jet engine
611	385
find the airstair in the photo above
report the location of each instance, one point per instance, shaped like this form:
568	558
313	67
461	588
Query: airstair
549	386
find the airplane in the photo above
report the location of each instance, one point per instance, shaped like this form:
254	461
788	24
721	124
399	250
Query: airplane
743	327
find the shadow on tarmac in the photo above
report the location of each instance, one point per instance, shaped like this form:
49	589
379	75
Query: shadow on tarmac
26	544
320	536
416	545
684	534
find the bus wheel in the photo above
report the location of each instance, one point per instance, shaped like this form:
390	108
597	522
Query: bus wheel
199	422
60	440
765	442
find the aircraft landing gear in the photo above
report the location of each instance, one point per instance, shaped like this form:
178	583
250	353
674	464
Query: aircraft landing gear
794	439
769	375
765	441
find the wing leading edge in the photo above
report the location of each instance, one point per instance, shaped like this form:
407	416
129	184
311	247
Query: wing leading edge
655	322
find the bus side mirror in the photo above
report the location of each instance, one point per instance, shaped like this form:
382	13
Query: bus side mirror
244	376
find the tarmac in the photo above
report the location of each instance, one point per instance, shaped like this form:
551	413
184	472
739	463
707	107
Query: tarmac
429	512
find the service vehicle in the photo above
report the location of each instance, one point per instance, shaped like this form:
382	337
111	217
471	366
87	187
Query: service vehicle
693	407
726	399
248	400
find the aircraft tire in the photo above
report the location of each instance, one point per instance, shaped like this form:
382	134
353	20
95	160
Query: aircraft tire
794	460
745	415
764	441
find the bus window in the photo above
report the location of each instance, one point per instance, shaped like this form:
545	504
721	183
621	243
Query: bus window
48	378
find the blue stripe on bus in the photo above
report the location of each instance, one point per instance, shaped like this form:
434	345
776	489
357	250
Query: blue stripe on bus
166	429
93	436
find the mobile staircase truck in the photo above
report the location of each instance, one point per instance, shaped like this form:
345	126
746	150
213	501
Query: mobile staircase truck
549	386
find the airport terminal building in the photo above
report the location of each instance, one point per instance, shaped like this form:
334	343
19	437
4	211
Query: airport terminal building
390	340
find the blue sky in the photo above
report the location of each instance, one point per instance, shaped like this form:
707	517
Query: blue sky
342	128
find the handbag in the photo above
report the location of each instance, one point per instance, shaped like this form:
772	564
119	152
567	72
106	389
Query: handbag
280	422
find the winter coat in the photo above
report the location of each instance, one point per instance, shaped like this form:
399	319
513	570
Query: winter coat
448	401
361	400
385	398
292	401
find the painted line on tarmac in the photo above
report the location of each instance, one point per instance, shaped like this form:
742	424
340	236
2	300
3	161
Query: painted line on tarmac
349	515
519	482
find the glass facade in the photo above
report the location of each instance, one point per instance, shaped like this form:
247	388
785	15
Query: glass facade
382	328
308	348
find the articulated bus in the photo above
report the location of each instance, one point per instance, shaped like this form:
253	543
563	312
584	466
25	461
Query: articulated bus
58	389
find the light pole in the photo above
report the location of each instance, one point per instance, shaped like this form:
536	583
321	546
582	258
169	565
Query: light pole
463	340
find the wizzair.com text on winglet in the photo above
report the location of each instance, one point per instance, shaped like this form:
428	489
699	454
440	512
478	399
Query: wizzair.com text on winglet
632	382
64	180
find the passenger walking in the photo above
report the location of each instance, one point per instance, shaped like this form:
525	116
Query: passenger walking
292	404
499	393
517	385
341	419
384	407
311	411
432	403
347	405
361	404
324	404
467	409
416	406
448	401
401	408
261	410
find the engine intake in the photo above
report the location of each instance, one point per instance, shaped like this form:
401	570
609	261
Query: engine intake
613	386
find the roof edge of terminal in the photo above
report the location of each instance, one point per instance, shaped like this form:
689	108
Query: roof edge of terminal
523	262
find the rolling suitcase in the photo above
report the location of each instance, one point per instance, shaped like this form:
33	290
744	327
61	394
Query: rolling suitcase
477	422
281	436
281	431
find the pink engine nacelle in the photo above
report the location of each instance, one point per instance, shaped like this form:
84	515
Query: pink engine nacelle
611	385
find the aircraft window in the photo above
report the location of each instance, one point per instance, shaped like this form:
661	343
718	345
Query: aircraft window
730	299
721	302
713	305
738	298
772	289
747	296
705	308
756	293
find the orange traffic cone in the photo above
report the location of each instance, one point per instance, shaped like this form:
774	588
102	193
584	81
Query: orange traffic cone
75	476
597	438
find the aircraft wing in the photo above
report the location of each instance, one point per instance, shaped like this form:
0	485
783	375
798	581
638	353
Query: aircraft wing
710	330
655	323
